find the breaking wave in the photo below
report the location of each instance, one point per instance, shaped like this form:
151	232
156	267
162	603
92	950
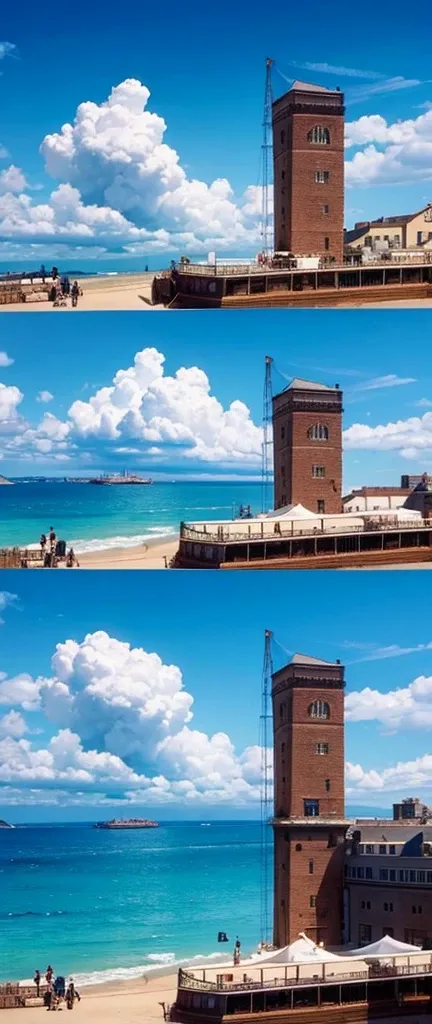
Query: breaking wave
154	533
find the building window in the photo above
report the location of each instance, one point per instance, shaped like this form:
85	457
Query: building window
421	877
311	808
429	877
282	432
322	177
319	136
361	848
322	748
298	847
283	175
370	848
319	432
369	873
360	872
368	241
319	709
282	710
383	875
321	506
311	867
312	901
318	472
326	243
392	850
282	137
327	785
412	876
382	849
365	934
392	875
325	209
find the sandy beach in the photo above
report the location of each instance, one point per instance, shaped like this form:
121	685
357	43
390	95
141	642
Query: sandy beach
132	1002
144	556
121	292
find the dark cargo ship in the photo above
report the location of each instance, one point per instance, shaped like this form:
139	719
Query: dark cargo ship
127	823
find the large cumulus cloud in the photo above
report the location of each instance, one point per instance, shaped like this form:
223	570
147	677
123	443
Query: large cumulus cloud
120	183
123	718
146	406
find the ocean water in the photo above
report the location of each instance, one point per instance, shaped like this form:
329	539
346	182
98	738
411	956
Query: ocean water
94	518
109	905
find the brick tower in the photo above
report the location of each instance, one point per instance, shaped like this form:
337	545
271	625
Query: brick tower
307	446
309	824
308	148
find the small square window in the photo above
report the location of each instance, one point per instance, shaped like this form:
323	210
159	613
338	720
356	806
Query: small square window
318	472
392	850
370	848
326	243
325	209
382	849
312	901
321	506
311	808
322	177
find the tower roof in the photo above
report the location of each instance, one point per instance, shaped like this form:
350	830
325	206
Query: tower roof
309	87
306	659
299	384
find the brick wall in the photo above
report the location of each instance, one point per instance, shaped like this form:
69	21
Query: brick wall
295	455
309	858
301	224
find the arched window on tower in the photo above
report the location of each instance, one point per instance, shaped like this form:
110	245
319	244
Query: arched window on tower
319	136
319	709
319	432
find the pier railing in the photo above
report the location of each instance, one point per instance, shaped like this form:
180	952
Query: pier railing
231	269
390	971
209	534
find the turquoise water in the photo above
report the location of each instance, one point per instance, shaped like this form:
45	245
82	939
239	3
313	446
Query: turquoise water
94	518
103	905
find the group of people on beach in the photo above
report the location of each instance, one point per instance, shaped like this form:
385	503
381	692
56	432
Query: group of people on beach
56	991
52	550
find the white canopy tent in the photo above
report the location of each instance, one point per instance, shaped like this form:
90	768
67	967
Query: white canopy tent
387	946
301	951
289	512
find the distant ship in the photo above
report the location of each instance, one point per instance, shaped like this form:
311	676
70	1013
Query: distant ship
124	478
127	823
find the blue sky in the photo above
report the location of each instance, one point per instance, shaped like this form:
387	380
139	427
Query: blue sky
189	425
206	79
388	662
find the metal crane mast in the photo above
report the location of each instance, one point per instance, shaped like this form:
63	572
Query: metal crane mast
267	437
267	161
266	791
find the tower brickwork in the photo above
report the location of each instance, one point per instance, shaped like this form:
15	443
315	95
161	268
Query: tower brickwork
309	823
307	447
308	154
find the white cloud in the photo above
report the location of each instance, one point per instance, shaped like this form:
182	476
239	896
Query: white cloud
410	706
389	380
10	398
144	406
409	437
121	183
5	360
12	180
123	727
390	153
12	725
402	777
44	396
7	49
7	600
335	69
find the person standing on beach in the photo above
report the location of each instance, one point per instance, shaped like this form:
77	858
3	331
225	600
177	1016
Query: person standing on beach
37	981
43	542
52	539
71	995
49	974
75	293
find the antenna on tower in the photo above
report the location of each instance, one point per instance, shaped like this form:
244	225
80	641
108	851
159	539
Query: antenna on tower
267	437
267	161
266	790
